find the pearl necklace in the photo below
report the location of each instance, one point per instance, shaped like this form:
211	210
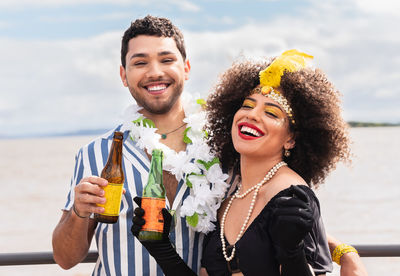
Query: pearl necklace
256	187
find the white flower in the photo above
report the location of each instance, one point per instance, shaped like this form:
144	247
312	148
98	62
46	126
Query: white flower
197	182
215	174
201	188
130	114
204	225
196	121
189	207
208	187
200	151
145	136
180	164
190	105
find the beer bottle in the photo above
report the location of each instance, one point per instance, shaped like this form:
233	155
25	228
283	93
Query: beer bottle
114	174
153	200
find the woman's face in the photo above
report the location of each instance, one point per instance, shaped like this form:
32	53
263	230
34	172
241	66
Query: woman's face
260	128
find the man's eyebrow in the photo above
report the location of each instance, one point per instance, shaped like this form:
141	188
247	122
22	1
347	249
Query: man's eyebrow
164	53
138	55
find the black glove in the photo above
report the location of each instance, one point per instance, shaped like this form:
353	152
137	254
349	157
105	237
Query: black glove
163	251
291	220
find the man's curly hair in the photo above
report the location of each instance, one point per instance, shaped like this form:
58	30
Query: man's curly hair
153	26
320	132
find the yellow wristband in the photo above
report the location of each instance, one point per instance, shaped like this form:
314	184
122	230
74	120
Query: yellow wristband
340	250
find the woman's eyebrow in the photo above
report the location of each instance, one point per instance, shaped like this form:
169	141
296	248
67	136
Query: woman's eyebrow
275	105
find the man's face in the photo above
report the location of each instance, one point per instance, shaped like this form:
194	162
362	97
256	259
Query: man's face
155	72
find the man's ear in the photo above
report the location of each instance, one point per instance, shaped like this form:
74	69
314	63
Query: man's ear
187	69
122	74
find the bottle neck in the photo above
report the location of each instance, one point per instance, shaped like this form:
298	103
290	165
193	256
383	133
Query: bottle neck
113	170
155	186
115	152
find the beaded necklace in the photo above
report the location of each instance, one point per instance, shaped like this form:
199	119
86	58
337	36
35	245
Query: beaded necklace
256	187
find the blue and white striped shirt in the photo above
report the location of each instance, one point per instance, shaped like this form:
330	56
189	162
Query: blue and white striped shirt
119	252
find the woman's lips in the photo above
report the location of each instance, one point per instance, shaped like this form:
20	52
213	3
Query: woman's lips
244	129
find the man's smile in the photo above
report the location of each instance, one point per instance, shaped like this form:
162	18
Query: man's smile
156	88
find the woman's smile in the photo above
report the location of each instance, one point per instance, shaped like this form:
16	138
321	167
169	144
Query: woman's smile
249	131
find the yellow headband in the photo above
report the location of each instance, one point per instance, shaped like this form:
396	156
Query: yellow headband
270	77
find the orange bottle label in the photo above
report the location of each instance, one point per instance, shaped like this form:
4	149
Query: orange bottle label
152	214
113	194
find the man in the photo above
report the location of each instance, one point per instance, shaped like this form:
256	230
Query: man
154	69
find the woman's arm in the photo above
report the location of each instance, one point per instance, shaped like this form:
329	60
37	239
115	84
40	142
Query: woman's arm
350	263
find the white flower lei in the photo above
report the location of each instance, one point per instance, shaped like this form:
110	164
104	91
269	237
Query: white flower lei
204	176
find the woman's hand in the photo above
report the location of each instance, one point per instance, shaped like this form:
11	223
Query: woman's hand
163	251
290	221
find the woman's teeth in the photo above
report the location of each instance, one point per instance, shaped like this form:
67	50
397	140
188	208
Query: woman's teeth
250	131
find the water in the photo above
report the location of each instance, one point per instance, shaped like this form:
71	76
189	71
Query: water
359	204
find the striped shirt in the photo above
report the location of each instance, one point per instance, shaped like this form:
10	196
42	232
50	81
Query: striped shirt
120	253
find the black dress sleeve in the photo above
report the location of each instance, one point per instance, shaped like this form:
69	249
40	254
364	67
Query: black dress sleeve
316	243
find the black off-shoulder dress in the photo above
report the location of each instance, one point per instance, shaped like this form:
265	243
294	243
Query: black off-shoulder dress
255	254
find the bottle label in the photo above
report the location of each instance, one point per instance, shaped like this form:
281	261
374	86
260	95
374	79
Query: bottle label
113	194
152	214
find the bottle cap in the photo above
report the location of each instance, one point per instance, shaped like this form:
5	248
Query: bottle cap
118	135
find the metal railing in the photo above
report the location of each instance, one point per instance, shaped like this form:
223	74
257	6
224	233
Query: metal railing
38	258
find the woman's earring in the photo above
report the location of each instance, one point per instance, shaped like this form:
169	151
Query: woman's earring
287	153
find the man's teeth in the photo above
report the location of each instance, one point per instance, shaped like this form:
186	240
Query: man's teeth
248	130
156	87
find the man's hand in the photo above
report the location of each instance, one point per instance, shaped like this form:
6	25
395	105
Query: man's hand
72	235
88	193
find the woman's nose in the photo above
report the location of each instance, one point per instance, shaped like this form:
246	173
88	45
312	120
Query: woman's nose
254	115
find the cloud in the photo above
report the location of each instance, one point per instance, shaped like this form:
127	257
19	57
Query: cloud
3	24
379	7
359	53
57	86
183	5
85	18
60	86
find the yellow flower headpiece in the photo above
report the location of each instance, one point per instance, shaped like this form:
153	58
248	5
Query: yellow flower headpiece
270	77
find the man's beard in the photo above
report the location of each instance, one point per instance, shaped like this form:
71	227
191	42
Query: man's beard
154	107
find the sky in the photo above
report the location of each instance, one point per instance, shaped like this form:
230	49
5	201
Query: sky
59	59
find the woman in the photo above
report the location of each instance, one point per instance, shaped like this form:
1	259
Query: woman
286	135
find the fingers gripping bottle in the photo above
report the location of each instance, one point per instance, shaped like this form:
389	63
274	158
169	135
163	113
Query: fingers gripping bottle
153	200
114	174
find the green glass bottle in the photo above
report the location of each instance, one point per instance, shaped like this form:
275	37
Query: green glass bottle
153	200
